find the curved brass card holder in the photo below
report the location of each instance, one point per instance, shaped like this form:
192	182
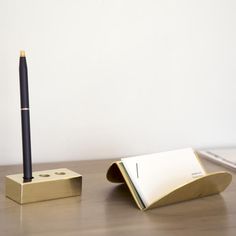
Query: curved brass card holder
207	185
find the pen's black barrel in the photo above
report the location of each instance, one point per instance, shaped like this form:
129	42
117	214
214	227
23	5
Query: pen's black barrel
25	120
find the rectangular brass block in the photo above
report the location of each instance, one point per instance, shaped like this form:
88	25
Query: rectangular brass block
46	185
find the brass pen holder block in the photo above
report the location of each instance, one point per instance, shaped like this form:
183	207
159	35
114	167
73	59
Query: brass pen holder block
46	185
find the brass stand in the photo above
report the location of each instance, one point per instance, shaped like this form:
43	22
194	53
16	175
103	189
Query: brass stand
209	184
46	185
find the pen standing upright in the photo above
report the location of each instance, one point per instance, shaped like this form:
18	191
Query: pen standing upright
25	118
41	185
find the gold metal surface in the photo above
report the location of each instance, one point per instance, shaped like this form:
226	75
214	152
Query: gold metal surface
209	184
46	185
22	53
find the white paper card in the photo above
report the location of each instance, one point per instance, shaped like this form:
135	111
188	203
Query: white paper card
155	175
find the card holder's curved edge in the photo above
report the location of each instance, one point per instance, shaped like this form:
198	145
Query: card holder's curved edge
114	174
207	185
117	174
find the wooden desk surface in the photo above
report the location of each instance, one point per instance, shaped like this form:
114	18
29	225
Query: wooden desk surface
108	209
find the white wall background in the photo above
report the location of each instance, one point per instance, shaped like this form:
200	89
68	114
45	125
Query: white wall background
115	78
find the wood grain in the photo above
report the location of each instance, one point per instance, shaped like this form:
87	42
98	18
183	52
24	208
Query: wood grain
108	209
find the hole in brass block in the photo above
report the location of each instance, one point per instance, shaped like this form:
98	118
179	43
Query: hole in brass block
44	175
60	173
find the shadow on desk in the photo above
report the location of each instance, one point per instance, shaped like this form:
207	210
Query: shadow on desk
121	194
193	215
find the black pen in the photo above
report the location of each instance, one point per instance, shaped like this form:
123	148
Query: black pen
25	119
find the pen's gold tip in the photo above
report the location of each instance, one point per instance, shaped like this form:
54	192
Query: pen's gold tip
22	53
